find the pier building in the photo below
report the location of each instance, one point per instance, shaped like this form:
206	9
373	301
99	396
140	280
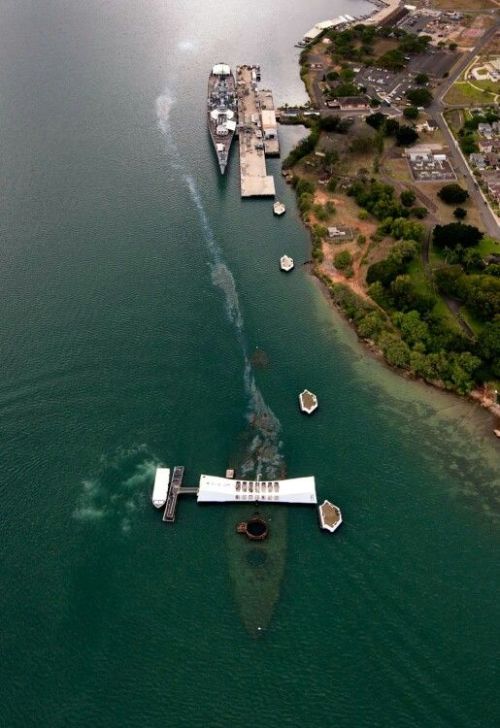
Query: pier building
214	489
257	132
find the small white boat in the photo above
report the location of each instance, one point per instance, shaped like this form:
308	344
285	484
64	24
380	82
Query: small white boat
279	208
160	488
286	263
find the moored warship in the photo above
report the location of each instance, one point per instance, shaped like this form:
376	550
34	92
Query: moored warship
222	111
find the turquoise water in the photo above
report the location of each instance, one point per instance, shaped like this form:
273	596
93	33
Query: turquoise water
136	285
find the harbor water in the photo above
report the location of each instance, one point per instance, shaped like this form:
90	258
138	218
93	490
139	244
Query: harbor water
145	321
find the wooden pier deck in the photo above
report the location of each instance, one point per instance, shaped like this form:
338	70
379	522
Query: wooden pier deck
255	182
175	490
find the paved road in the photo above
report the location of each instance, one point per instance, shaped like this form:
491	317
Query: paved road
436	112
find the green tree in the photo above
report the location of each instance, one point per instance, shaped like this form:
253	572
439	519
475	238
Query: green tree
407	198
453	194
419	96
456	234
376	120
391	127
419	212
421	79
393	60
411	113
489	344
412	328
405	136
403	251
371	325
396	351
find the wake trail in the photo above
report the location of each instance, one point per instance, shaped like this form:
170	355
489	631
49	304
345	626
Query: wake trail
264	453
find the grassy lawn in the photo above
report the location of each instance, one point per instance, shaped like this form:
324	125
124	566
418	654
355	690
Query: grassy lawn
489	246
418	276
493	86
463	93
422	284
444	313
469	318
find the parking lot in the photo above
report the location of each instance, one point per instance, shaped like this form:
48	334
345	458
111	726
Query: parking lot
434	63
386	84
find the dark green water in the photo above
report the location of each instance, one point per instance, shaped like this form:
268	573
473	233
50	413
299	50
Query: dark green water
134	282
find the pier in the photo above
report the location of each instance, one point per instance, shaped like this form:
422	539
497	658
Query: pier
174	491
214	489
257	132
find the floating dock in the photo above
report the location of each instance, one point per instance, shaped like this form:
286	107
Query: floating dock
174	492
258	134
308	402
286	263
330	516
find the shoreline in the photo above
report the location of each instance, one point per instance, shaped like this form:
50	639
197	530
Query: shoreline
477	396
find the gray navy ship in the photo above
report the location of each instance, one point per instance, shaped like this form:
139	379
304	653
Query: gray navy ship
222	111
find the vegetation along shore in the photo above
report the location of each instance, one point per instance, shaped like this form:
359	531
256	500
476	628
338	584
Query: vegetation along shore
404	236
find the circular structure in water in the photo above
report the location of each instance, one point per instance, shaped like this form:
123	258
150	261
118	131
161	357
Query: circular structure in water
255	528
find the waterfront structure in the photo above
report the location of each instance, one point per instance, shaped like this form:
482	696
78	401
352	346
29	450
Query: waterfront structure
214	489
255	139
308	402
160	487
330	516
221	111
286	263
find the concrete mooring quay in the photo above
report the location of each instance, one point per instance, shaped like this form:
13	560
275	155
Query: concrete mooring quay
258	134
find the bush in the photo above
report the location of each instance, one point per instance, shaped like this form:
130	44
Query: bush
419	212
453	194
460	213
303	185
411	112
343	260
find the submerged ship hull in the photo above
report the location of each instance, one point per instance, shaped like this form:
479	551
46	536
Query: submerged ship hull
222	112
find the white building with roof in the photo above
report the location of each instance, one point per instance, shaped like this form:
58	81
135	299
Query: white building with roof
221	69
214	489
